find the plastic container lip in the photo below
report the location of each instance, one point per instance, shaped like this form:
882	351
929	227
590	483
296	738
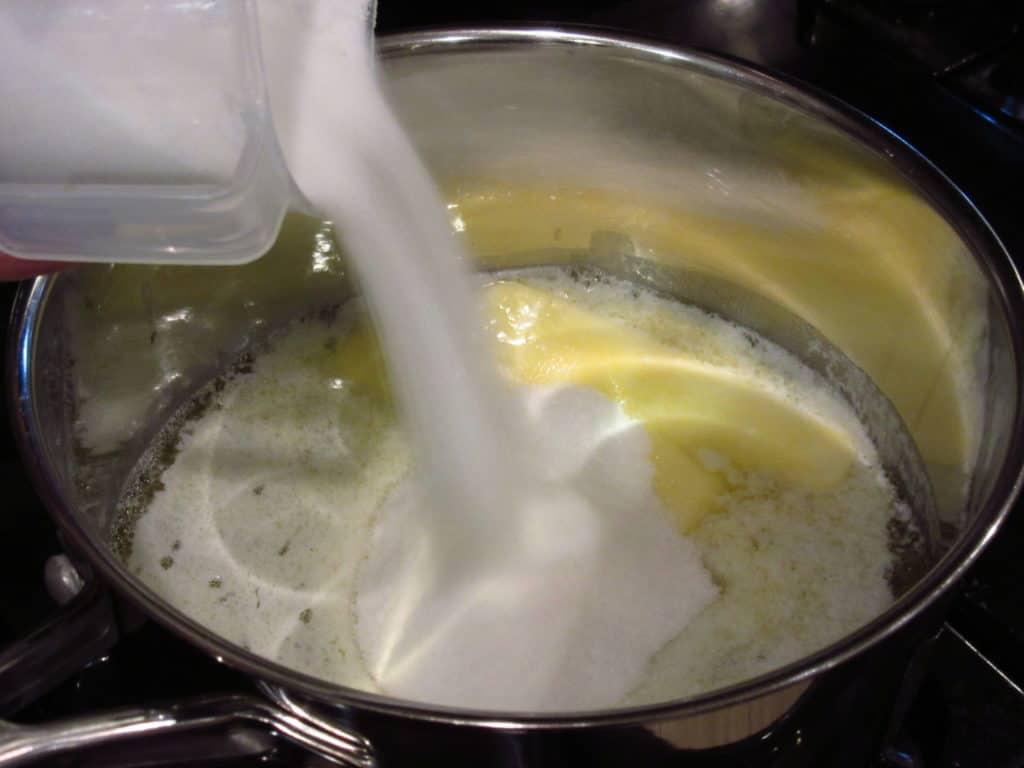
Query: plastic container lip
232	218
154	224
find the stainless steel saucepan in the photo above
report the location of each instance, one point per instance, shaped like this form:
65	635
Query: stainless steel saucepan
754	196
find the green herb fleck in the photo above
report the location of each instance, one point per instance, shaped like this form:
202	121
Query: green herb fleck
306	615
215	583
244	364
258	490
329	314
166	562
176	545
284	549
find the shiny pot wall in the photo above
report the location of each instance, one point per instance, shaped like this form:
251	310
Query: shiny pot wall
556	148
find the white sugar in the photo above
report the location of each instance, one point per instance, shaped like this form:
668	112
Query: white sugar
492	533
568	611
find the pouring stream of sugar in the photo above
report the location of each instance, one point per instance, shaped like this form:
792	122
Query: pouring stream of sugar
491	581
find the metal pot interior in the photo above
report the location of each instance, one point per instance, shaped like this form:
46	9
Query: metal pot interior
741	193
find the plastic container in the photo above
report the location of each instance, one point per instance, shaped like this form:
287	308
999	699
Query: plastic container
137	131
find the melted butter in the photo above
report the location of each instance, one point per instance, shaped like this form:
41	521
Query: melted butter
871	265
706	420
703	419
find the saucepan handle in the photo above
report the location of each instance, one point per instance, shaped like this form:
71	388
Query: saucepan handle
212	727
80	631
217	727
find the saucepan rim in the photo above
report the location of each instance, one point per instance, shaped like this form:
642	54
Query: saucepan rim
928	180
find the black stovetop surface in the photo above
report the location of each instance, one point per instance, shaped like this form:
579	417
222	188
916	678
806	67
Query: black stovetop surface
947	76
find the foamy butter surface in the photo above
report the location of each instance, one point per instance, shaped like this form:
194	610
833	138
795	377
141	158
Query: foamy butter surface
285	521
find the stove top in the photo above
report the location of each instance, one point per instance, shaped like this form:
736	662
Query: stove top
946	75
